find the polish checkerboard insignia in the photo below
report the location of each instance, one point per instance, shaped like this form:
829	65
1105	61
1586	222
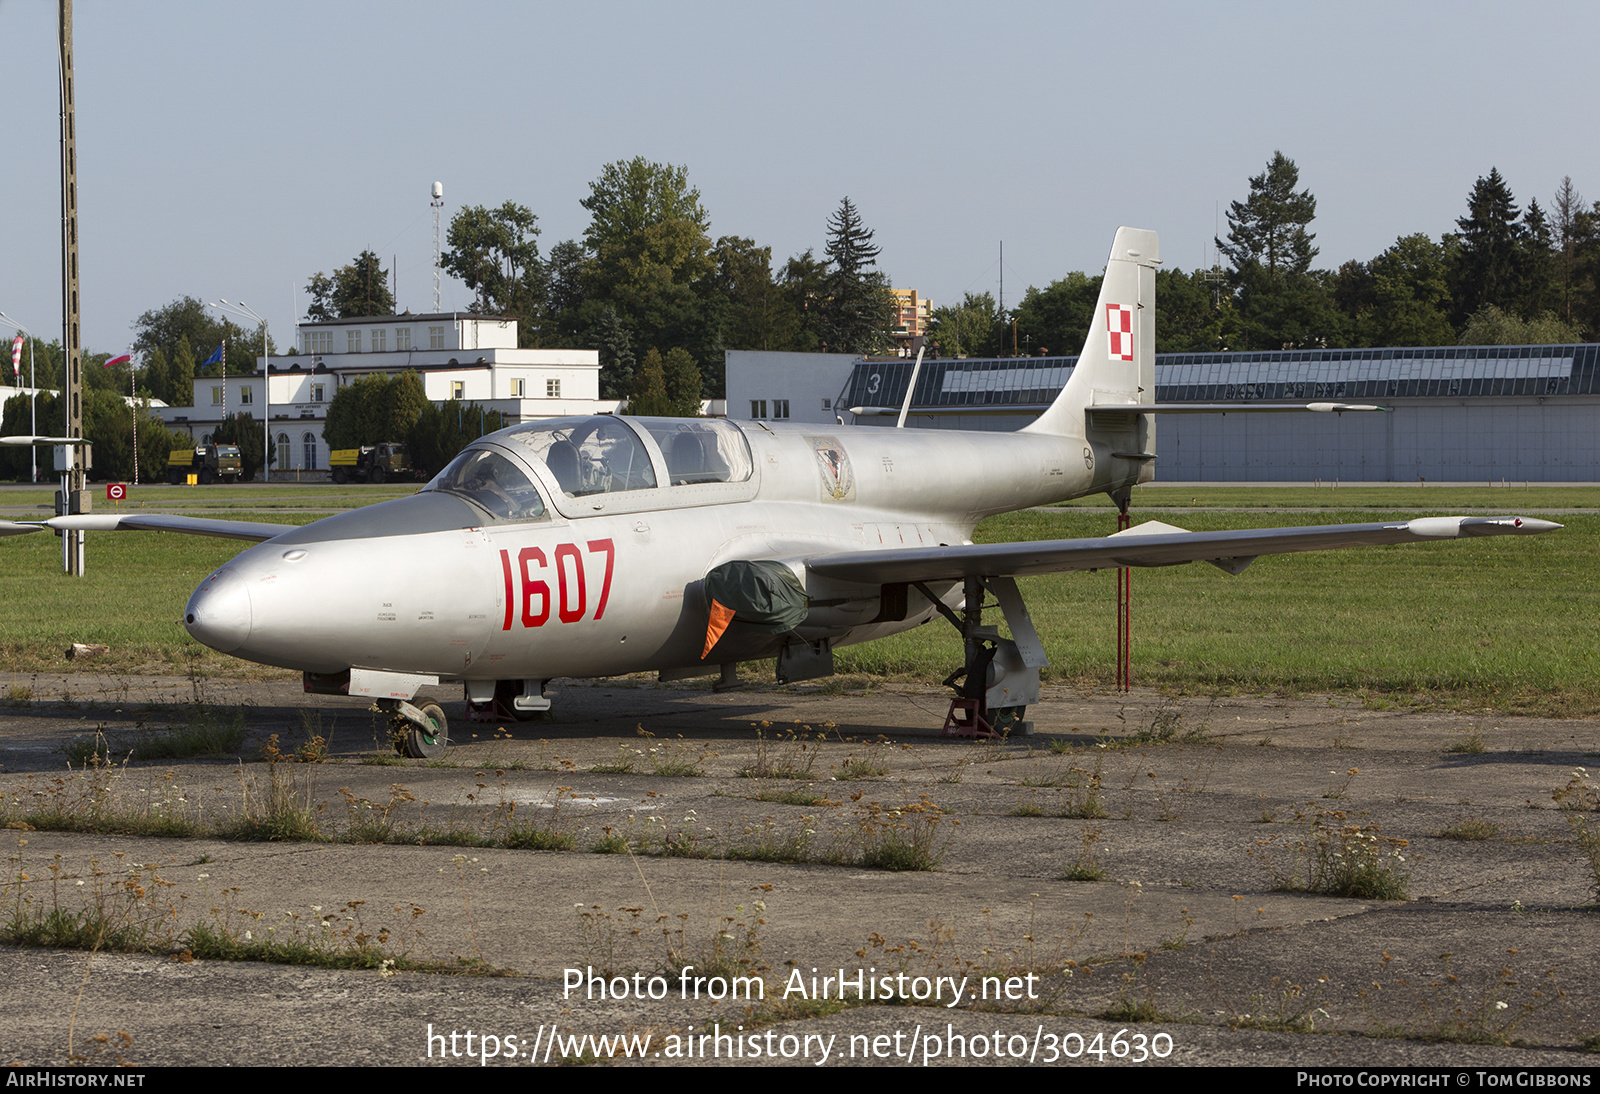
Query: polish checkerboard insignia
1119	331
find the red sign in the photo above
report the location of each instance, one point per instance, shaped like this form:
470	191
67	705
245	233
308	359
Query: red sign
116	491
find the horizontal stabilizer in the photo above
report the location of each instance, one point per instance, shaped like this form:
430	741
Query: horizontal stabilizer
1140	546
12	528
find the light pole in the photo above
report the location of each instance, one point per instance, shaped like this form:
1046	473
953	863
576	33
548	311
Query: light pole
239	308
33	390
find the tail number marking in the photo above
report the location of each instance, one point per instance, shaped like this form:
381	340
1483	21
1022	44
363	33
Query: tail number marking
572	592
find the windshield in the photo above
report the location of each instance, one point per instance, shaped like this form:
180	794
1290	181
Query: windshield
493	483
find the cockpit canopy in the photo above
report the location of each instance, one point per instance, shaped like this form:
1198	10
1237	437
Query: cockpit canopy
595	456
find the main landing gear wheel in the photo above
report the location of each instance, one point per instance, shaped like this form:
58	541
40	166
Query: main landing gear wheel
420	743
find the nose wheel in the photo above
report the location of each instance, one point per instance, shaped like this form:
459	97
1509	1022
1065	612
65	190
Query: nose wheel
421	733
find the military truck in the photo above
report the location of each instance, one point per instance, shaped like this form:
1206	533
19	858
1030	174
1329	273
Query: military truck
206	462
371	463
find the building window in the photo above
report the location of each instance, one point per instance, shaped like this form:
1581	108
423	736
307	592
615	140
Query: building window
316	393
827	404
317	341
247	395
283	450
380	340
309	440
516	389
402	339
780	408
216	394
552	389
436	338
352	341
758	409
458	389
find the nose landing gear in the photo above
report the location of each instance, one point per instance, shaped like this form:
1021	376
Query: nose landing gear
422	733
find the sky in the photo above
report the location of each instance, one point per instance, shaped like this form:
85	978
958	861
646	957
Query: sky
232	150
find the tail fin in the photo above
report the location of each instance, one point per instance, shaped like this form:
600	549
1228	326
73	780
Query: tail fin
1118	363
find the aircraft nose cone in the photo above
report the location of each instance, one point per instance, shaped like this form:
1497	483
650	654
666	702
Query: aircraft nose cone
219	612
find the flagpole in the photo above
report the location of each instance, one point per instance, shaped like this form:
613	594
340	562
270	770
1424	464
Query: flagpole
133	380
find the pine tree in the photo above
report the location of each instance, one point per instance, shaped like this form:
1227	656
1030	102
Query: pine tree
858	309
1281	303
615	344
1485	260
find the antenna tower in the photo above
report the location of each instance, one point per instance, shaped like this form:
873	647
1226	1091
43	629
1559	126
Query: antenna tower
438	204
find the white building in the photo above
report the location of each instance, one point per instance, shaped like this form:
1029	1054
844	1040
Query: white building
463	356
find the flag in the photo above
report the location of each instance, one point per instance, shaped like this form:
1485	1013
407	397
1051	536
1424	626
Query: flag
124	359
16	357
216	355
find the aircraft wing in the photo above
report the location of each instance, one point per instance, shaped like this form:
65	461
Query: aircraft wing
162	522
1149	544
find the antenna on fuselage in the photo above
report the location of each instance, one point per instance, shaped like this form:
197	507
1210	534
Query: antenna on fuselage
911	388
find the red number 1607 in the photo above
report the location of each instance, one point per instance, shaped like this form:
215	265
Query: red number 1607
571	601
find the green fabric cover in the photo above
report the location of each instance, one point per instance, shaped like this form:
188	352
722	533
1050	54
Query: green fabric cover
764	595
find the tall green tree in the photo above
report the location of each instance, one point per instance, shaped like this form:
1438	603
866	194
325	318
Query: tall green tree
1411	295
1188	316
649	398
373	410
615	343
804	284
1485	266
972	328
681	377
496	253
441	431
635	195
1057	317
858	310
187	319
357	290
1280	303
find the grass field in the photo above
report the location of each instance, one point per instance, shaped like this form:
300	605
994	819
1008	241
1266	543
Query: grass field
1508	623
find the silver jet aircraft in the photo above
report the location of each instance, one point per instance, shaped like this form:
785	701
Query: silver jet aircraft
587	547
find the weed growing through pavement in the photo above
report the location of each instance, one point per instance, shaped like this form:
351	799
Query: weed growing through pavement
1287	1008
1473	828
789	754
106	798
204	732
1444	1008
725	944
870	764
1330	854
1580	795
129	907
903	837
1588	840
674	758
1167	724
1086	868
281	811
626	763
1340	787
1471	745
